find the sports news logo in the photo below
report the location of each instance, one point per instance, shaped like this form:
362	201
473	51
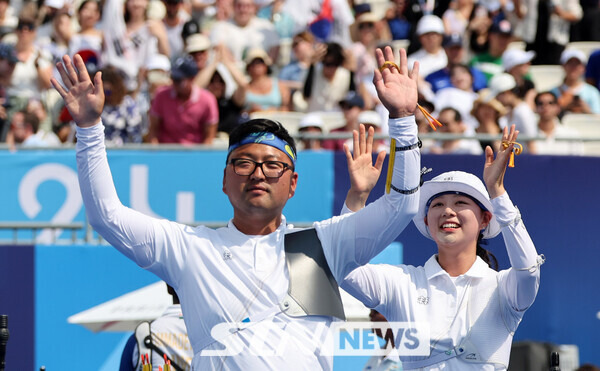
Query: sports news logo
269	338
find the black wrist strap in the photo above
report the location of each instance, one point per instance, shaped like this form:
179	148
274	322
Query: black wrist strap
403	191
412	146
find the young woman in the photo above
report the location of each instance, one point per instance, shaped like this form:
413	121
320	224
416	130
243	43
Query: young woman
472	309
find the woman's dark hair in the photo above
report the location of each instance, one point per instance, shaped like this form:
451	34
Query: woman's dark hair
116	78
260	126
486	255
334	54
84	2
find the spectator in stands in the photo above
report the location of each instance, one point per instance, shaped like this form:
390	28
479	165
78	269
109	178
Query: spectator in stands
246	31
262	92
8	61
175	17
294	74
490	61
544	26
8	21
122	118
431	56
168	336
131	38
199	47
274	12
518	112
328	81
363	50
592	70
311	13
56	44
231	107
311	123
488	112
351	105
32	75
453	124
516	62
455	52
399	25
460	95
90	37
456	18
25	130
182	112
575	95
550	127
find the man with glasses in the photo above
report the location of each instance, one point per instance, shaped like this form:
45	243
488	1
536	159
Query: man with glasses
234	282
549	126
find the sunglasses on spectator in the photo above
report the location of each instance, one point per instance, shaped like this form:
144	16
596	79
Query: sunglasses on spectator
26	27
366	25
329	64
545	103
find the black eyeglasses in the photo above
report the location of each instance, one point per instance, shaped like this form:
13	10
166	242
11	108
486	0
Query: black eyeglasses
366	25
271	169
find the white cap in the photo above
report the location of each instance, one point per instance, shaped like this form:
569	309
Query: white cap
311	120
255	53
455	181
369	117
573	53
158	62
57	4
501	82
515	57
196	43
430	23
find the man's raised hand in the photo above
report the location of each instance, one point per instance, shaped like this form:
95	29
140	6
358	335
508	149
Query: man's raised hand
83	98
396	86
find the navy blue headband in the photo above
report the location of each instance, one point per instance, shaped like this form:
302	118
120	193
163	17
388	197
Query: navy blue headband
269	139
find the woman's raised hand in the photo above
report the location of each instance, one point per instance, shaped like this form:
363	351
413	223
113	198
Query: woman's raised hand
494	169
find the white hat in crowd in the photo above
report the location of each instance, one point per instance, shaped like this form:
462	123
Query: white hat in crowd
311	120
515	57
455	181
568	54
197	43
501	82
158	62
430	23
256	53
370	118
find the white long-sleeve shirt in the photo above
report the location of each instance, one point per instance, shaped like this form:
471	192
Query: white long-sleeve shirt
223	276
493	306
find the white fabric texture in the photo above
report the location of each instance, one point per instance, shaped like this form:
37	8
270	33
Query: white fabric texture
224	276
495	301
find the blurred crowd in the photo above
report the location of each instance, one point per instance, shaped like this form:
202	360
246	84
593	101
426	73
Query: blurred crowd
189	71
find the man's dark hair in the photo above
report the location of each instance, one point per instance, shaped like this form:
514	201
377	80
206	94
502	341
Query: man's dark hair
457	115
334	54
541	94
260	126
